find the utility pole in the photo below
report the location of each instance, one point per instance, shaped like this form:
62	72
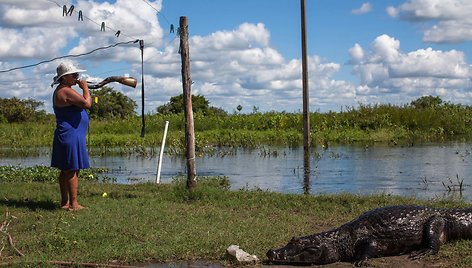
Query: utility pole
306	104
141	47
187	95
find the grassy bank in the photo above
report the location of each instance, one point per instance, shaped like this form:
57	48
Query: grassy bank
146	223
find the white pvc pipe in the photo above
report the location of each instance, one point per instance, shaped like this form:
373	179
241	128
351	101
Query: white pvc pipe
161	153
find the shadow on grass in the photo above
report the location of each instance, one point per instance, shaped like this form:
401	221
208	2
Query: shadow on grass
30	204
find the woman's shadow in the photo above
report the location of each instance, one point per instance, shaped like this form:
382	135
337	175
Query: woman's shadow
30	204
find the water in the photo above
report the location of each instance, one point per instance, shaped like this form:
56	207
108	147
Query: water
425	171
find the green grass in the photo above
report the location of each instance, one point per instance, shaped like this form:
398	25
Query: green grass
146	223
366	124
46	174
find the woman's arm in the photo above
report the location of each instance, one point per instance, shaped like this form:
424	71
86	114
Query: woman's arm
67	96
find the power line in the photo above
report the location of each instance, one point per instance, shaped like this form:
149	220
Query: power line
98	24
168	22
166	44
165	18
27	80
100	48
68	56
158	12
118	32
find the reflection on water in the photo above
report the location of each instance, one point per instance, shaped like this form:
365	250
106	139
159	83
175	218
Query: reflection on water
425	171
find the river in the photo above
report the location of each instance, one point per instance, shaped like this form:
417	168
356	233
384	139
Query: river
423	171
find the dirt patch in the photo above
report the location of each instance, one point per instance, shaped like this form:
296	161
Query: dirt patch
385	262
393	262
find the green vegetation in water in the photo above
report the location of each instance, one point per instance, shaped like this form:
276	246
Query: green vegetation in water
426	119
146	223
40	173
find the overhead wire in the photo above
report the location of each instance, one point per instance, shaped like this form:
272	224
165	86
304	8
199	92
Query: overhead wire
167	44
158	12
121	33
30	79
168	22
91	20
67	56
98	24
112	29
100	48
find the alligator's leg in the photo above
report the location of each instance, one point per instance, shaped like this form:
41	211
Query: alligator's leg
364	251
432	237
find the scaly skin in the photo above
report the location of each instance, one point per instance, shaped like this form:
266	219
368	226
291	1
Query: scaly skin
387	231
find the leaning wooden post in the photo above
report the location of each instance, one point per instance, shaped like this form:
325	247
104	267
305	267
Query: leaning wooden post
187	95
161	153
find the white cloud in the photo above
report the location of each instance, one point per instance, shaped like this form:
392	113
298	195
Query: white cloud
385	48
431	63
453	31
356	53
35	41
229	67
392	11
385	69
365	8
239	67
452	21
435	9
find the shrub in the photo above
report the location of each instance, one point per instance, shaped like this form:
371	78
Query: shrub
16	110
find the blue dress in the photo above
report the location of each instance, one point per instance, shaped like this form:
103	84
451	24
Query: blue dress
69	149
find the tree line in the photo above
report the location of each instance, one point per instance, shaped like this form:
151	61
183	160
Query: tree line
107	103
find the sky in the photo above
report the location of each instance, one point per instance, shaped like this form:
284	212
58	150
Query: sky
245	52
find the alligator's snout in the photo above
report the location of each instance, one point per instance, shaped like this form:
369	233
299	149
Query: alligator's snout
271	254
276	255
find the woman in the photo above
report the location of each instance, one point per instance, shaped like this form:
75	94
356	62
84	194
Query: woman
69	151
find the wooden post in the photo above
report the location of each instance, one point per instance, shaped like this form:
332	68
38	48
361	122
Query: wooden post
141	47
306	102
187	95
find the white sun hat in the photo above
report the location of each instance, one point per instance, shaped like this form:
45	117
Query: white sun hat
64	69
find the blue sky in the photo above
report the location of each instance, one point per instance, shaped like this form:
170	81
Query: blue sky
248	52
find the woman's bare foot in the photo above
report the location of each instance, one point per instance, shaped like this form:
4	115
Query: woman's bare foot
75	207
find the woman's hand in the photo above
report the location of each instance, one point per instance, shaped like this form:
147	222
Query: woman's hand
82	84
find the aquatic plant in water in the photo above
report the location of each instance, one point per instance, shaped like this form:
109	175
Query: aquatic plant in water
45	174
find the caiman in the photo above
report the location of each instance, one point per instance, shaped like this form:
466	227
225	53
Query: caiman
387	231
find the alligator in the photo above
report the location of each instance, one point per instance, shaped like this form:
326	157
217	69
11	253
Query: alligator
387	231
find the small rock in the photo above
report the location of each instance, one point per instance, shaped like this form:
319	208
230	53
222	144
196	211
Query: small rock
240	256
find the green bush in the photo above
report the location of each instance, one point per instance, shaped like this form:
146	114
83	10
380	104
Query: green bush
199	105
111	104
14	110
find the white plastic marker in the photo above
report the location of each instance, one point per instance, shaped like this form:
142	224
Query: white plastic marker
161	153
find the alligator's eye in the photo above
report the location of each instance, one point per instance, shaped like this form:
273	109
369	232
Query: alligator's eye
315	252
303	242
294	241
312	250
